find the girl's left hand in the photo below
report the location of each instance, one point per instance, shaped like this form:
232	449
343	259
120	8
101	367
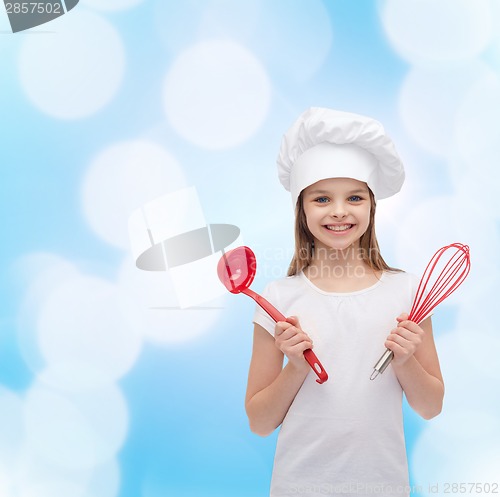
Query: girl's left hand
404	340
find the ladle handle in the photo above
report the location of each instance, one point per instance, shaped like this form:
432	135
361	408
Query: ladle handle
309	355
316	366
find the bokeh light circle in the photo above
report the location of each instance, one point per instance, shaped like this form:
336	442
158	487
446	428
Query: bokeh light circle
75	430
440	221
38	478
122	178
426	31
82	320
302	29
430	99
179	28
40	274
105	480
76	71
476	129
216	94
468	183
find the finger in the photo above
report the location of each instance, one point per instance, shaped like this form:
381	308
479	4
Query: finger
286	326
413	327
403	332
293	320
296	339
399	340
295	345
294	334
300	348
398	349
283	325
280	328
287	332
402	317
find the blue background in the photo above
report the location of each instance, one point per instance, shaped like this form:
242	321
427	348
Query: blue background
187	433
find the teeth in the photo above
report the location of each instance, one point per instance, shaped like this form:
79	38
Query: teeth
344	227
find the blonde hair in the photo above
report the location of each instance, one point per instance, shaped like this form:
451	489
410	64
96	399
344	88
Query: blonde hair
304	242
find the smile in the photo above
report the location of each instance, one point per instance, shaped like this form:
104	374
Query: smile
339	227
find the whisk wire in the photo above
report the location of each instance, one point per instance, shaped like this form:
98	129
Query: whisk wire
439	289
449	279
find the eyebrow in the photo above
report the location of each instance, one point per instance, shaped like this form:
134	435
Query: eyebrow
326	192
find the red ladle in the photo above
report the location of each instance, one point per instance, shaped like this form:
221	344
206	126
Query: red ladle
236	270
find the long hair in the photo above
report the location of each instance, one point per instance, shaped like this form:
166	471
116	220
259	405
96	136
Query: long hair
304	242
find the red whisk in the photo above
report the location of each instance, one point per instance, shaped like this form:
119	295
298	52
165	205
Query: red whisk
449	279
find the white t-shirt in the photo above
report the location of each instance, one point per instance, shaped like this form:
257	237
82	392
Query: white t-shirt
345	436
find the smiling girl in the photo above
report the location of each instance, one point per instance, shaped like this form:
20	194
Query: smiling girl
344	437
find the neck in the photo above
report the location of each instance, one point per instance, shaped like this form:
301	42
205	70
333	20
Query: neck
351	256
340	270
346	264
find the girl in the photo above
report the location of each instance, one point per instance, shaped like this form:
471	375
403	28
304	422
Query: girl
344	437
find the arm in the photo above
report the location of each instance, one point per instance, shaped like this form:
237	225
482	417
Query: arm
272	388
416	365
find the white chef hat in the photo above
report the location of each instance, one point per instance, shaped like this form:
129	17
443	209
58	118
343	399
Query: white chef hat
327	143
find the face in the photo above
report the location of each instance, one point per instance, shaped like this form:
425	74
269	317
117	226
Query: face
337	212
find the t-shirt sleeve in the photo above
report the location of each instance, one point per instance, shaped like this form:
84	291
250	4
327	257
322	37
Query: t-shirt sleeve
261	317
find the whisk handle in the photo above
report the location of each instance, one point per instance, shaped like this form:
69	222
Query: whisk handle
382	363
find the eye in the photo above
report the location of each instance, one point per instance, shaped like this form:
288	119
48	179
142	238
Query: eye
354	198
322	200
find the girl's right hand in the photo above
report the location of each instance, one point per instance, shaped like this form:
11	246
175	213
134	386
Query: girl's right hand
293	341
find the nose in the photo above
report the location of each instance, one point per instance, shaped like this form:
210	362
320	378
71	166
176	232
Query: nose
338	210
